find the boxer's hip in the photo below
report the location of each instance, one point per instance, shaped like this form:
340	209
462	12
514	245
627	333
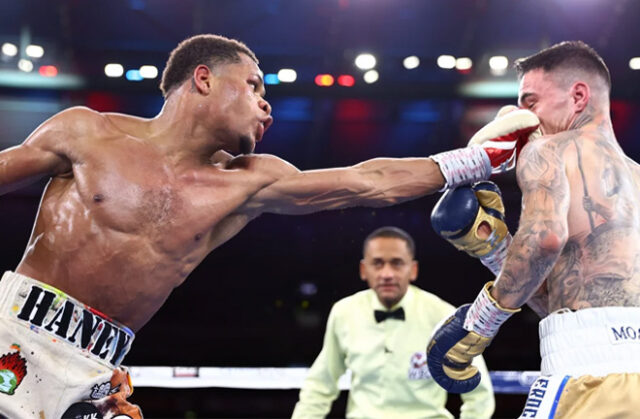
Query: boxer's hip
60	319
594	341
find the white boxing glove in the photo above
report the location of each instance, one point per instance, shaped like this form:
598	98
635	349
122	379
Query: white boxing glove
493	149
503	138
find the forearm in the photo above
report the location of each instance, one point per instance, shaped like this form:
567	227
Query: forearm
531	257
390	181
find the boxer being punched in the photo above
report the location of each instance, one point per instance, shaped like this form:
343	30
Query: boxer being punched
134	205
577	246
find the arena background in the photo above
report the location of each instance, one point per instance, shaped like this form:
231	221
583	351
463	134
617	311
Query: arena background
262	299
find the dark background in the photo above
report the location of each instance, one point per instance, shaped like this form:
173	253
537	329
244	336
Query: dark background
248	304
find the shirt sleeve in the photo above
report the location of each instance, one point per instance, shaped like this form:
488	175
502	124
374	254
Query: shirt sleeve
479	403
320	387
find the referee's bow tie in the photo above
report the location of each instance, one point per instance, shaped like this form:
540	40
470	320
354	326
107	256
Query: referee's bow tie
381	315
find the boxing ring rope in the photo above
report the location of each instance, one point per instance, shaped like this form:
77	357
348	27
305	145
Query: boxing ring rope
504	382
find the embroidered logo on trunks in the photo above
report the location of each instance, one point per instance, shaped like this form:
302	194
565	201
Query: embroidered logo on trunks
75	324
13	368
103	390
623	333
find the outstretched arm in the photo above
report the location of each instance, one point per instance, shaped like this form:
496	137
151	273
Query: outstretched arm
375	183
42	154
543	229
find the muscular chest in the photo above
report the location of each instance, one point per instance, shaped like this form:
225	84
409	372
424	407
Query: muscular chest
149	199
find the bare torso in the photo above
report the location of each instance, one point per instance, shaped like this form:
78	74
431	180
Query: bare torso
128	224
599	265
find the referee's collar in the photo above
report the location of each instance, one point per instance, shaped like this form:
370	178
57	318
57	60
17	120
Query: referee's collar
404	302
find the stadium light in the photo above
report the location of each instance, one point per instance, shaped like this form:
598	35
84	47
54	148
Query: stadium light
365	61
113	70
371	76
446	61
9	49
149	71
34	51
411	62
464	63
287	75
25	65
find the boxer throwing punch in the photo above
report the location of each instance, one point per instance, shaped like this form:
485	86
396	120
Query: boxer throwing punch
575	255
133	205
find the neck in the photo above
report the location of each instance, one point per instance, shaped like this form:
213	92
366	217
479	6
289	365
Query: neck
178	129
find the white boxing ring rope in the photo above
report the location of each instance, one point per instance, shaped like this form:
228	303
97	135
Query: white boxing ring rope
504	382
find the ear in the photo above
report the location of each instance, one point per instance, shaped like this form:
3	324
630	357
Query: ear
414	271
363	275
202	79
581	95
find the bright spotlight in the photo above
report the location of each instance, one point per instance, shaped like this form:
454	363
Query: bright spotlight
271	78
9	49
464	63
324	80
411	62
287	75
48	71
113	70
371	76
365	61
446	61
25	65
498	62
133	75
34	51
498	65
149	71
634	63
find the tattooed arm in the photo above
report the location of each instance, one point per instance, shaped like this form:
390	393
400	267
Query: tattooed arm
543	229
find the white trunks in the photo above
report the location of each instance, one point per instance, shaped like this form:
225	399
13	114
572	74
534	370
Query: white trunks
58	356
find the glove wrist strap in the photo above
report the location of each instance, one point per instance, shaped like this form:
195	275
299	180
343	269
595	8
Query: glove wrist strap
495	259
463	165
485	316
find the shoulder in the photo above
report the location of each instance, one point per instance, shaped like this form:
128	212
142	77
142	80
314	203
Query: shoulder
79	119
546	154
267	164
65	127
359	299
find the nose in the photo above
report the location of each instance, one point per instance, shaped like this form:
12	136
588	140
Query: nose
265	106
386	271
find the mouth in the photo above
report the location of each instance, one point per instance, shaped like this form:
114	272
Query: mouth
387	287
263	126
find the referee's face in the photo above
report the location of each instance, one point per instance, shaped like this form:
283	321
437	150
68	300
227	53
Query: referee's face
388	268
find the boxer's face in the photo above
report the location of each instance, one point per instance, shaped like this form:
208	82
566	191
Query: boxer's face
237	105
542	94
388	268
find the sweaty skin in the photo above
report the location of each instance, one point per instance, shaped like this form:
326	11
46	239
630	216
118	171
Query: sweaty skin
134	205
580	223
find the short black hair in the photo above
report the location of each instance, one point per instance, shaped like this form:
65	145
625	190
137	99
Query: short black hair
393	232
207	49
567	54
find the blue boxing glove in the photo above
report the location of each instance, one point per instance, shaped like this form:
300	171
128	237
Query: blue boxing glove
461	337
458	215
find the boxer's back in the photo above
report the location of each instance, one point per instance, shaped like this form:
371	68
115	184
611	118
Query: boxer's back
600	263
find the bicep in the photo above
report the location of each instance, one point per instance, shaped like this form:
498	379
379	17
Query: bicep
27	163
46	152
543	228
545	195
303	192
